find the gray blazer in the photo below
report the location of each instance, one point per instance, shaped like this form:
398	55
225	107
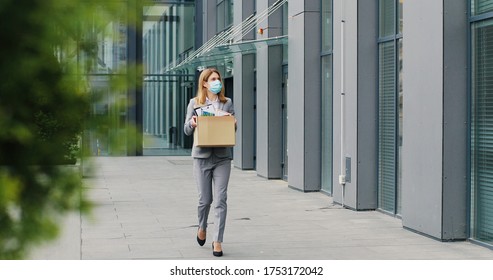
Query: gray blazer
205	152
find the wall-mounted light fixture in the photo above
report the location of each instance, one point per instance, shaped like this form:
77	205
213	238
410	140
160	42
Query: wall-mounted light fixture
261	30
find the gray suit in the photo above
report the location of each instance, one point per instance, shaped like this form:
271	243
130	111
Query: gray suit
211	165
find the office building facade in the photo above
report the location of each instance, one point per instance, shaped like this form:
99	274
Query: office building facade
381	104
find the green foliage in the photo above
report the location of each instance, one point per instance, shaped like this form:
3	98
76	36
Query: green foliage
46	47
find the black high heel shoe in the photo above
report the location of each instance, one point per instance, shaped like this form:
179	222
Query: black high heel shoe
215	253
200	241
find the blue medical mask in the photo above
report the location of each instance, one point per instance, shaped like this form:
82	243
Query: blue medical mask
215	86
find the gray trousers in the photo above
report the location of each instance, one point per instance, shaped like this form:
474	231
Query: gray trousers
208	171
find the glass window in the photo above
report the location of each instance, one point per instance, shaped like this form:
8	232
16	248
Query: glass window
168	36
220	16
390	105
106	66
284	32
285	19
481	6
387	18
482	131
326	26
387	127
229	12
327	123
400	97
224	14
400	16
327	95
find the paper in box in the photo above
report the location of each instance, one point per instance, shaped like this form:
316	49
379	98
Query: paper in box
213	131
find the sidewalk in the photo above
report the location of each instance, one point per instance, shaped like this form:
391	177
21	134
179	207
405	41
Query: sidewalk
146	209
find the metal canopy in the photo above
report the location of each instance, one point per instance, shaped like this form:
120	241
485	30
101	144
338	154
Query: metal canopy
223	46
226	52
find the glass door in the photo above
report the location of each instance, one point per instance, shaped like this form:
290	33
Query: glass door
168	35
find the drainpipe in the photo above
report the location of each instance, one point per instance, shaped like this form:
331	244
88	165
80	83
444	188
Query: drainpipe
342	176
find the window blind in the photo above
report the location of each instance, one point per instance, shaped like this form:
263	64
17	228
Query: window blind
482	131
387	128
482	6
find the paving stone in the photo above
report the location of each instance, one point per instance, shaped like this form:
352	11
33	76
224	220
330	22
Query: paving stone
146	208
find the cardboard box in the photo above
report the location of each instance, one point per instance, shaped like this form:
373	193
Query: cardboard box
213	131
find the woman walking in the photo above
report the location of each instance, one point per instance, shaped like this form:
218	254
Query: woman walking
211	166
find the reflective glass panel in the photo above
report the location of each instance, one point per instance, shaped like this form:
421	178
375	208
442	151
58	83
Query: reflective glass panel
327	96
387	128
326	25
167	39
481	6
482	132
387	18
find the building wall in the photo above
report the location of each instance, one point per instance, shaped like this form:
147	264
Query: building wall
434	151
304	96
347	11
455	108
367	115
434	148
423	112
244	96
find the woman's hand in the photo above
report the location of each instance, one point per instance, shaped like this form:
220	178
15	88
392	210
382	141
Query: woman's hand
193	121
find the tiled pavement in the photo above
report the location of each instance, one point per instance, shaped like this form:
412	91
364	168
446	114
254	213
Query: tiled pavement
146	209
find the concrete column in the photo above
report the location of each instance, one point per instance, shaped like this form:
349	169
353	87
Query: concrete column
359	157
434	185
367	107
269	97
347	11
244	95
304	96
